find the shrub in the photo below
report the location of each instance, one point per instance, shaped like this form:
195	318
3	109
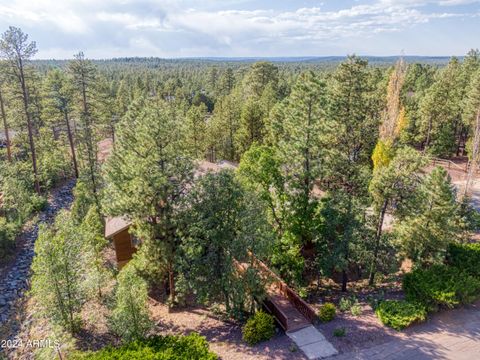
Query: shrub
327	312
38	203
400	314
339	332
130	317
259	327
345	303
465	257
8	232
193	347
356	309
440	285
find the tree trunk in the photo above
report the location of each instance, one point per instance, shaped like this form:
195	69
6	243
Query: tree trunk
427	141
29	126
5	126
171	284
378	235
344	281
72	145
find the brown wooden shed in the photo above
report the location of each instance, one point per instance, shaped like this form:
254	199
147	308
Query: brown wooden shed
117	229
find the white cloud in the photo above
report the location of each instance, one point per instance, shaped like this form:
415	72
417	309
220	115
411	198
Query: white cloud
186	27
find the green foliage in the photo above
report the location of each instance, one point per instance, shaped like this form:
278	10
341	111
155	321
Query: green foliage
465	257
58	272
440	108
356	309
346	303
91	230
339	332
18	198
400	314
8	232
430	224
82	201
260	327
146	177
327	312
440	286
350	304
130	316
192	346
222	223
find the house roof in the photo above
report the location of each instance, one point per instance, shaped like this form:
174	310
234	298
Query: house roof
115	225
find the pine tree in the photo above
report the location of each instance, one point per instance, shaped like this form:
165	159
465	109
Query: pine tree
17	51
223	127
83	74
146	176
223	223
300	145
441	112
350	144
58	272
471	115
130	317
59	105
429	225
196	128
391	188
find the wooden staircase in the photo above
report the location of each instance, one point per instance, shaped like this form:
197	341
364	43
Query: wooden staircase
290	310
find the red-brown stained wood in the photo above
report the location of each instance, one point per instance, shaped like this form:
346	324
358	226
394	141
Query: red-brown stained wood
124	249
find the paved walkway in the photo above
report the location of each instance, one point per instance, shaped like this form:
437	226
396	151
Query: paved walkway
450	335
312	343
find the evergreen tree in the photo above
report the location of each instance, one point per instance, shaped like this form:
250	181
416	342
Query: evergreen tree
146	176
300	145
223	223
130	316
83	74
17	51
223	127
58	272
196	128
429	225
59	105
441	112
351	141
392	187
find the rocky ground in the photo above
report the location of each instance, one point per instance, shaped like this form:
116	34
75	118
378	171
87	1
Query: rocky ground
14	276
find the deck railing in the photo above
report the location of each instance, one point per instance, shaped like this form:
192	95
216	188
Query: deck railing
300	304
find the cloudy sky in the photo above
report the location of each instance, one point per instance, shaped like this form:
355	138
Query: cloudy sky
186	28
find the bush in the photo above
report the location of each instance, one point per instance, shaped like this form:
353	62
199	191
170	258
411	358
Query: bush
339	332
327	312
400	314
465	257
8	232
193	347
130	317
441	285
345	303
356	309
259	327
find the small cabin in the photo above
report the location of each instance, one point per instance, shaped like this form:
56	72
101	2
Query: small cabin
124	243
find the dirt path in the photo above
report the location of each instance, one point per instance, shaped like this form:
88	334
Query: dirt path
449	335
14	277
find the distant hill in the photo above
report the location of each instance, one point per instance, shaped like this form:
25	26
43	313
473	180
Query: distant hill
303	61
